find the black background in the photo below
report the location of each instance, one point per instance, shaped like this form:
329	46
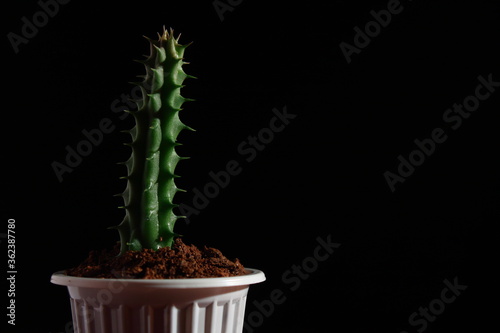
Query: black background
322	175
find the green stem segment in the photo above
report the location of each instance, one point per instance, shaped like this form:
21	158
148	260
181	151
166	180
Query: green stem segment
148	197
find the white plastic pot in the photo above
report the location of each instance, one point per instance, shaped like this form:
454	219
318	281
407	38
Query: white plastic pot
207	305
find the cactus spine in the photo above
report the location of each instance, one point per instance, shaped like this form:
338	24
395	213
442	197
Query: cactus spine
148	197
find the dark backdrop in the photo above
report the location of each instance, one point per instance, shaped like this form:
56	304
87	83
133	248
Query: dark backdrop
322	176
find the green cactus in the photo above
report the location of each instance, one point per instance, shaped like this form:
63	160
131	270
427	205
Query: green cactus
148	197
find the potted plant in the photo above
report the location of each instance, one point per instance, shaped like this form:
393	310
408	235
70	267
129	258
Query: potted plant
154	282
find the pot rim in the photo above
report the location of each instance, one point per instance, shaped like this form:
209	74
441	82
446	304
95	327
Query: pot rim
253	276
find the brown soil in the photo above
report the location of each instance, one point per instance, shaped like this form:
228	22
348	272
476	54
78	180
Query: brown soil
180	261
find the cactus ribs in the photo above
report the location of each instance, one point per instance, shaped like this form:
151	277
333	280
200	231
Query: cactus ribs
148	197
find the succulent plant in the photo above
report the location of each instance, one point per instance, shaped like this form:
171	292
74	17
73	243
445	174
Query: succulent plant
148	198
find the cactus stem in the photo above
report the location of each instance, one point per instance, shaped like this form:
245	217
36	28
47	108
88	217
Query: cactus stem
148	197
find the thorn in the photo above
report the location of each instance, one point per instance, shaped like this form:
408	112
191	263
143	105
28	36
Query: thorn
157	48
186	45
